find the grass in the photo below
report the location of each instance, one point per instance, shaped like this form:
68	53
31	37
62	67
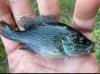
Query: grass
67	8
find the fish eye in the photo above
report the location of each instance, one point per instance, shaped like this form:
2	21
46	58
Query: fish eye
83	41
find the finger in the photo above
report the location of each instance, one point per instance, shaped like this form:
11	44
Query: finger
5	15
49	7
84	16
85	7
21	8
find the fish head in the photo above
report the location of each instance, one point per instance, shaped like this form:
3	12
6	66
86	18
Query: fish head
76	43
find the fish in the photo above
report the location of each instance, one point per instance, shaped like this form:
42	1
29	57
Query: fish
47	37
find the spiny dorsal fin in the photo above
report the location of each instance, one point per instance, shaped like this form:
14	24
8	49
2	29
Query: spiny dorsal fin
33	21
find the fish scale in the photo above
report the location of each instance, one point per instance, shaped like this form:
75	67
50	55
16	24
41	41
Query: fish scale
43	38
49	38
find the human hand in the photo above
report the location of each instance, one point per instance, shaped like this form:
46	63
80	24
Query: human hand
21	61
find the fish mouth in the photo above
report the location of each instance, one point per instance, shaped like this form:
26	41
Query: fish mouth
91	48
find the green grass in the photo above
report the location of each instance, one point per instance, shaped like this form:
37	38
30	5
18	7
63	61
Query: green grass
3	59
67	8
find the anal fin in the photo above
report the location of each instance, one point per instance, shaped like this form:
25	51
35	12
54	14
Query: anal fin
26	48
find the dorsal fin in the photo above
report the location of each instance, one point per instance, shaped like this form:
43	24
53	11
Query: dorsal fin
33	21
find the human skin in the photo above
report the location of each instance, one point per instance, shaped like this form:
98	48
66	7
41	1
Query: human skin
21	61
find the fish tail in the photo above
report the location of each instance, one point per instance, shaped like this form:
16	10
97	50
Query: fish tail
6	31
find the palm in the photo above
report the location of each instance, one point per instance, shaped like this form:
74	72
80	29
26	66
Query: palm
22	61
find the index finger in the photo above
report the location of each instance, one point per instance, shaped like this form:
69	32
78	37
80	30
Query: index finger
21	8
49	7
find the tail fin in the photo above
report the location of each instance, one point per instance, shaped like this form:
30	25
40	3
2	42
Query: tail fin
5	29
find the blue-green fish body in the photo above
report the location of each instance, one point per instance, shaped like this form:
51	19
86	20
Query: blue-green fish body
49	38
